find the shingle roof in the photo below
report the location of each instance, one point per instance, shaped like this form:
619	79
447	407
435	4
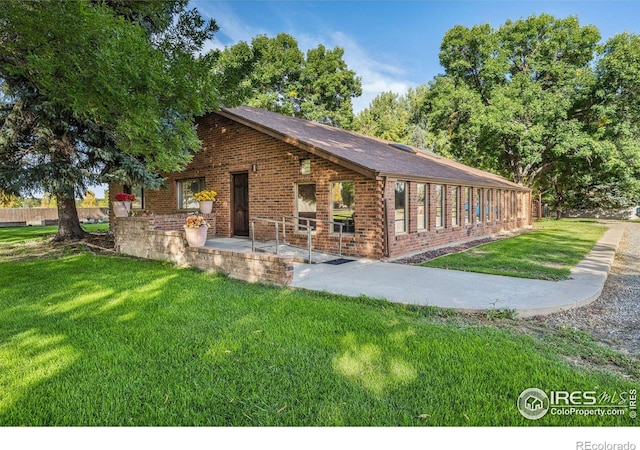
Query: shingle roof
368	155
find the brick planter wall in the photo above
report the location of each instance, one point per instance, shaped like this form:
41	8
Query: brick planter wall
140	237
175	222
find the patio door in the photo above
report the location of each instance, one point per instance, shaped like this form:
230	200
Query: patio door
240	206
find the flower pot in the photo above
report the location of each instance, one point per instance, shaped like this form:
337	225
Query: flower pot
196	237
206	206
121	209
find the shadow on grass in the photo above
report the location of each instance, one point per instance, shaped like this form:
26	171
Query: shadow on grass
89	340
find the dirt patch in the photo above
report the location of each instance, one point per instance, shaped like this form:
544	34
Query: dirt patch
96	243
614	318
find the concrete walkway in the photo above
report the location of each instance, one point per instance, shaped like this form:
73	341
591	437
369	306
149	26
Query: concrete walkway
466	291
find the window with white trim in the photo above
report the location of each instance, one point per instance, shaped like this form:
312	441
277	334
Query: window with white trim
401	207
479	204
423	207
467	205
185	190
306	205
440	206
343	204
455	206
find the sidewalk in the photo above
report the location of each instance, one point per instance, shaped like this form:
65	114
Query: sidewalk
466	291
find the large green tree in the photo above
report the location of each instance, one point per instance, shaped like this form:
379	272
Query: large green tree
538	100
274	74
398	118
96	91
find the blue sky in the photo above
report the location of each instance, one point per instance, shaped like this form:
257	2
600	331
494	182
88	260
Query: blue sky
394	45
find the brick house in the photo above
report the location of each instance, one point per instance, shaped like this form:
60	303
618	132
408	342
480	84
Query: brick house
390	199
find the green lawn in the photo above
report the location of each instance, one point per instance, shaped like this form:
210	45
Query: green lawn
21	234
97	340
548	253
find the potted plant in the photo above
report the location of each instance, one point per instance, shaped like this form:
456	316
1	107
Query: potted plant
205	200
122	206
195	230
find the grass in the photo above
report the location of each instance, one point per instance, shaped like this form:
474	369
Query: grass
548	253
22	234
95	340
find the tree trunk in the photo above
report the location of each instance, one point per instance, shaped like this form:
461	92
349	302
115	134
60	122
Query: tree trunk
68	222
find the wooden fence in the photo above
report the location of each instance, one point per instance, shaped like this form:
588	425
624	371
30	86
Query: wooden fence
47	216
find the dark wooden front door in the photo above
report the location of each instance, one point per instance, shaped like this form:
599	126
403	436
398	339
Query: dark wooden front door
241	204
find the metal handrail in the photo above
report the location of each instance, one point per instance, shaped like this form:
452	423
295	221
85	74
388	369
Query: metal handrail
331	222
296	224
284	228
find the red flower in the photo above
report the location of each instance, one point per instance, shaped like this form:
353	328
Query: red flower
122	197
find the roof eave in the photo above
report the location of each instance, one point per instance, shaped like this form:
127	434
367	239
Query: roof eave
484	184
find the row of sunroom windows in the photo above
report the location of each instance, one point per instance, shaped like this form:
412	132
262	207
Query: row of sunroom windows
489	205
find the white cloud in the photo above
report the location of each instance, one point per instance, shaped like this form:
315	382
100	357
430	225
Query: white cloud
232	28
377	77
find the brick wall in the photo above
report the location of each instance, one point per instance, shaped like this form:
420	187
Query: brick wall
229	147
134	236
175	222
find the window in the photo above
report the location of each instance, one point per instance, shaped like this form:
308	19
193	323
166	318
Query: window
138	203
401	207
455	206
497	206
306	206
305	166
423	207
186	189
343	202
505	204
467	206
479	195
487	206
439	206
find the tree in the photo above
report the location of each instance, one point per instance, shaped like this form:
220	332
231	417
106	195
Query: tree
272	73
104	202
48	201
76	109
399	119
530	101
9	200
89	200
387	117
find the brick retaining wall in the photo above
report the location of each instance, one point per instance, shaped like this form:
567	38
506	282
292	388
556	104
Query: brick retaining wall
175	222
141	237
